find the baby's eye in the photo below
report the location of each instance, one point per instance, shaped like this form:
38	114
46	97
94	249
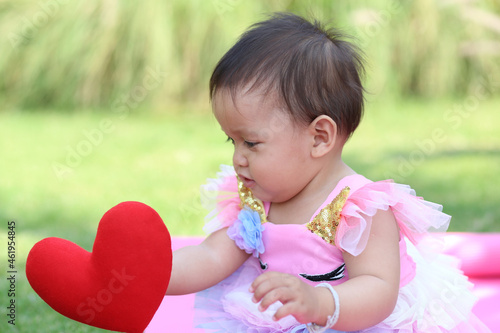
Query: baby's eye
250	144
230	140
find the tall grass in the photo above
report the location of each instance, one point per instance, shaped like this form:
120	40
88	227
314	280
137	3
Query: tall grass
67	55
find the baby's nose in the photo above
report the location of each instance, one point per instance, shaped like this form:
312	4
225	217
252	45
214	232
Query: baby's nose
239	159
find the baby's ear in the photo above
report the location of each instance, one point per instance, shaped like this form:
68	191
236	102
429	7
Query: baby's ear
324	134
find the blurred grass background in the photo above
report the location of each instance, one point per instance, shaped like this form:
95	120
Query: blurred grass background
106	101
67	56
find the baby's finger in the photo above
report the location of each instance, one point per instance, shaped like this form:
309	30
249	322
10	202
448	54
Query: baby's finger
263	290
260	279
282	294
265	283
272	281
290	308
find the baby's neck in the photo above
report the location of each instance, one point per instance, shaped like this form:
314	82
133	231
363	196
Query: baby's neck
299	209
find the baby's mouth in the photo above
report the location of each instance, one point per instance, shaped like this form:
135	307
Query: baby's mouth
247	182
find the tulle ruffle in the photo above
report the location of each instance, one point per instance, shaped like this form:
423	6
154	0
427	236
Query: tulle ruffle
220	197
228	306
438	299
414	215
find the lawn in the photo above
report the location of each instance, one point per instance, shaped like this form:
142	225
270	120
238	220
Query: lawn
61	171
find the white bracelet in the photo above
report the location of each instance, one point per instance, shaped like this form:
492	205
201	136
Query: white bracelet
330	320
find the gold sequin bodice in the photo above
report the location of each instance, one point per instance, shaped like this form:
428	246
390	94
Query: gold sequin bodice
324	224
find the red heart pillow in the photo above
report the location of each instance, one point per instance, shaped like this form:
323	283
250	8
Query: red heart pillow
120	284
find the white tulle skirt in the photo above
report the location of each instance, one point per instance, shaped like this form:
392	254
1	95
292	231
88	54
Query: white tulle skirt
438	299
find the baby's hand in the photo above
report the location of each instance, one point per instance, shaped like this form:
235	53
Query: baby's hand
306	303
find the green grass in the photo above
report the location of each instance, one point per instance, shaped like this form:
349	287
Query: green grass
161	160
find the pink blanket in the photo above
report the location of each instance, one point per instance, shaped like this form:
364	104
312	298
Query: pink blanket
479	253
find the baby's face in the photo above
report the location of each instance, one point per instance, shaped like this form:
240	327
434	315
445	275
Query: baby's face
271	151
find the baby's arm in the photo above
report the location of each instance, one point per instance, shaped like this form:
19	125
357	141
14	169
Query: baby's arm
371	293
367	298
196	268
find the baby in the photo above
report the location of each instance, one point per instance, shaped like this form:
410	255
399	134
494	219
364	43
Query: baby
298	241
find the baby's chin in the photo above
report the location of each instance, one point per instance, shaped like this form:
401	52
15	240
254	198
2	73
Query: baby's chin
268	196
261	194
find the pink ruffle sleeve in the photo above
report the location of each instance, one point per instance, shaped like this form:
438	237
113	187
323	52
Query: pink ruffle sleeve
220	197
414	215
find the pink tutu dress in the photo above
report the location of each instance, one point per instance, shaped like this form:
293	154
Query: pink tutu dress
434	295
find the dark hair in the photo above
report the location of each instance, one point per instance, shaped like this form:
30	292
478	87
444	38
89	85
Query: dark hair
313	69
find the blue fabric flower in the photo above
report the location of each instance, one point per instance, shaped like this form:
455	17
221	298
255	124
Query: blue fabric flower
246	232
